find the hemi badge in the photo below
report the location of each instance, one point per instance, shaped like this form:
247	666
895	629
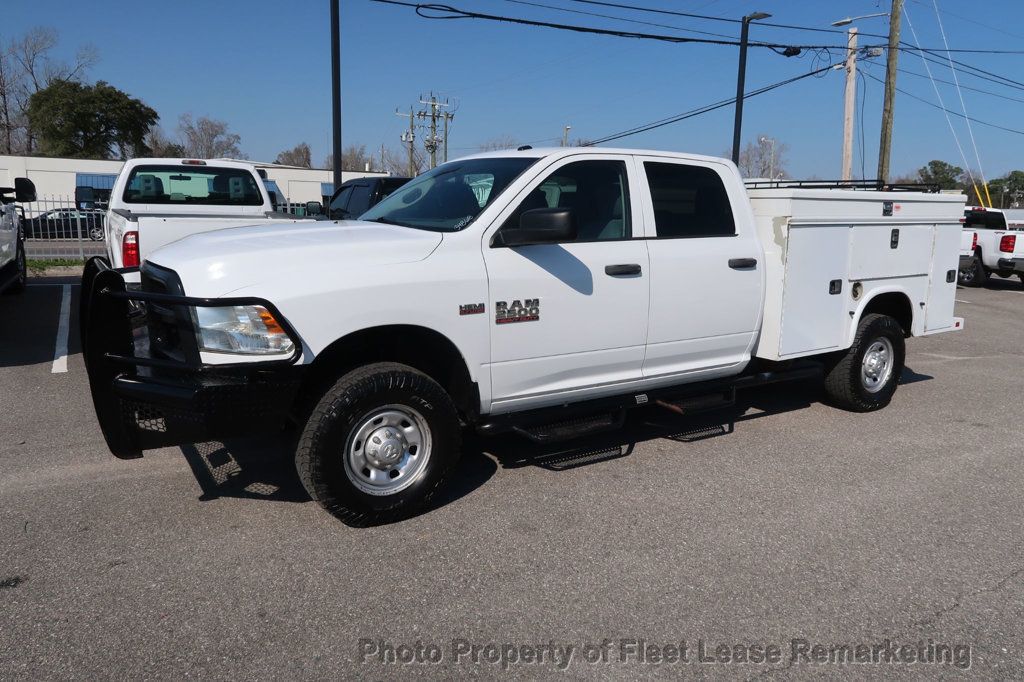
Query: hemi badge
471	309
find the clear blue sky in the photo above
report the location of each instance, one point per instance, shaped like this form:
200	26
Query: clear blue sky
264	67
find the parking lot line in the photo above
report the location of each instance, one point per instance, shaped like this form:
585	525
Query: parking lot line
60	352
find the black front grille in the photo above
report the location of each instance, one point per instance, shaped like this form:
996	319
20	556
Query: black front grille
171	333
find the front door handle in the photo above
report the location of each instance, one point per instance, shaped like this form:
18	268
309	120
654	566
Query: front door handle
742	263
622	270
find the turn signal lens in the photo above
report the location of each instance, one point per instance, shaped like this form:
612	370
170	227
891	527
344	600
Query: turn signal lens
130	250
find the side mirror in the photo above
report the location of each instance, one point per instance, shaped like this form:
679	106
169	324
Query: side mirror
314	208
24	190
541	226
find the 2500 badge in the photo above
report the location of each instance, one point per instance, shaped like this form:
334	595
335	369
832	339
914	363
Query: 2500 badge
527	310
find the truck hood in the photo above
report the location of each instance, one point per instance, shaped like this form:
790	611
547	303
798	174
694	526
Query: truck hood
222	261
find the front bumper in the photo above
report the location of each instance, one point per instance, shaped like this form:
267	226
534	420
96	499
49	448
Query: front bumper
146	401
1011	264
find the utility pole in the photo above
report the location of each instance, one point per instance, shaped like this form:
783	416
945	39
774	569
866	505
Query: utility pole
336	89
432	142
738	122
409	138
885	146
565	136
851	101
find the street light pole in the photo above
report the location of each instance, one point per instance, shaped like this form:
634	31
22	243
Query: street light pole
336	90
738	123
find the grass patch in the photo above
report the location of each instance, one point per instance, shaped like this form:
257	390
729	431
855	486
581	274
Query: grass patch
41	265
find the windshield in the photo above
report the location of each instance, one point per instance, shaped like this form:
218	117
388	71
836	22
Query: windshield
449	197
202	185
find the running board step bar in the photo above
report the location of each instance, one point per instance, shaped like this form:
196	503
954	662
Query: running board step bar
700	403
569	429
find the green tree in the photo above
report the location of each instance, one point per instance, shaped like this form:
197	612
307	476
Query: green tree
945	175
89	121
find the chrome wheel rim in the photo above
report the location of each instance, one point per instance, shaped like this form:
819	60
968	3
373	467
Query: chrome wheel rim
96	234
876	367
387	450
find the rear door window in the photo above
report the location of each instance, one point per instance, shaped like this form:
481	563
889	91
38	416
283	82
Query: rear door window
689	201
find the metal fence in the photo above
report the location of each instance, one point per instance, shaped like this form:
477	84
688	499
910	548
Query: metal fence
55	227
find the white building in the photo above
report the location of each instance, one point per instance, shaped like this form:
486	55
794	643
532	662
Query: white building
57	178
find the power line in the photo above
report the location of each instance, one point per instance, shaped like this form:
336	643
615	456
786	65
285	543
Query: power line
609	16
706	17
453	13
955	113
965	87
450	13
959	92
705	109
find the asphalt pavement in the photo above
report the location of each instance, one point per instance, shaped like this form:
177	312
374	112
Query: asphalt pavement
782	524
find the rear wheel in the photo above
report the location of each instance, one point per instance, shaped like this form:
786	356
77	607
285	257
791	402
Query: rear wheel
96	233
866	376
379	444
975	276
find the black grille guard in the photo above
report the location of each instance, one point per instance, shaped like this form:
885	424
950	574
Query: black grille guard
145	402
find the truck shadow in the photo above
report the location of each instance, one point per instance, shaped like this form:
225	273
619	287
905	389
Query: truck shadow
262	469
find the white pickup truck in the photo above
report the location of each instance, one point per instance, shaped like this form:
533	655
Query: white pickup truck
998	246
13	267
537	291
158	201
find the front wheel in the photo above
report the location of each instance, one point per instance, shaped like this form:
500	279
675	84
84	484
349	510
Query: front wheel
18	285
379	444
866	376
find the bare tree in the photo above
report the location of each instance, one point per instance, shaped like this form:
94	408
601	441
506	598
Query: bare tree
299	155
26	67
498	143
354	158
764	159
397	162
207	138
160	146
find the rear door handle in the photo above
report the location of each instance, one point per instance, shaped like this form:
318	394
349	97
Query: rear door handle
622	270
742	263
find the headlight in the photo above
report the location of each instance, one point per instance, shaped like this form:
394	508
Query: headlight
243	329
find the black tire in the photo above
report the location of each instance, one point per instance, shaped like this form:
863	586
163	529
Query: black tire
845	384
977	277
18	285
324	445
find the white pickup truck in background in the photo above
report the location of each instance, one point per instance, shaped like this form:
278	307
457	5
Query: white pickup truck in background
998	246
537	291
159	201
